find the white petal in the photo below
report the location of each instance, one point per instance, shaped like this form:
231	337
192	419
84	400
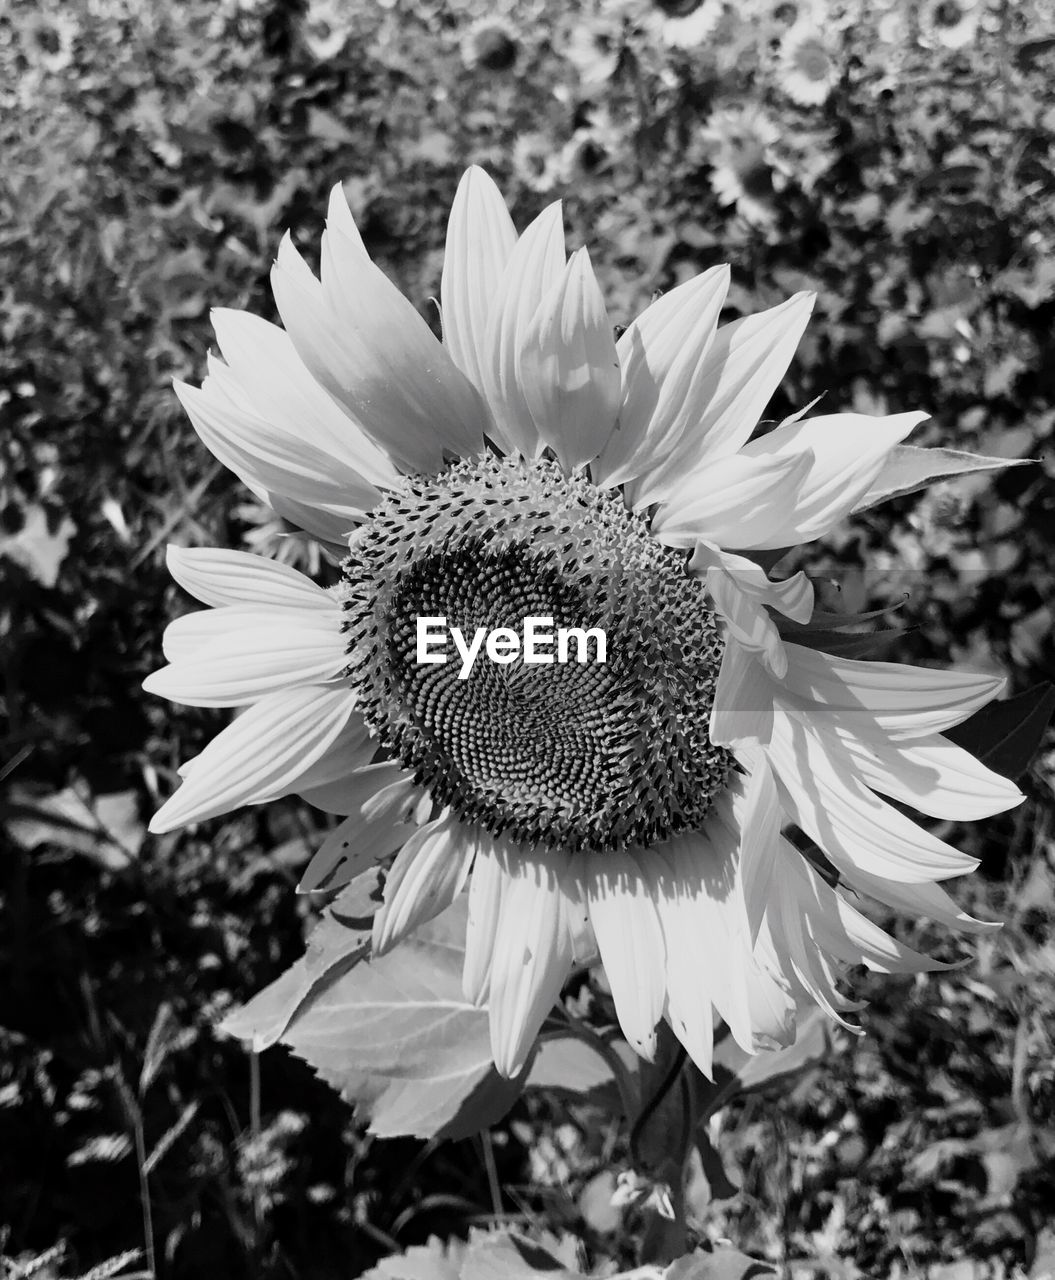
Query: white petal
480	238
931	774
749	808
736	502
661	356
793	597
217	576
187	635
485	904
358	841
928	900
268	462
630	940
352	749
850	823
743	699
744	365
897	698
260	755
371	350
246	665
703	915
568	368
532	954
277	386
847	452
394	801
427	875
843	930
747	621
534	267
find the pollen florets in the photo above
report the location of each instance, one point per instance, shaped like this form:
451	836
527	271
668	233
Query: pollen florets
574	756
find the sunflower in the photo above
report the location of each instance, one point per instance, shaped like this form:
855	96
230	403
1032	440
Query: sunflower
952	23
738	143
531	465
491	43
687	26
808	71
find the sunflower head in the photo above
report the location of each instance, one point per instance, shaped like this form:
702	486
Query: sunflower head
532	468
570	754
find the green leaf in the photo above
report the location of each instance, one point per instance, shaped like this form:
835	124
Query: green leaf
909	468
812	1044
718	1264
433	1260
502	1255
1007	735
105	828
340	941
396	1036
37	548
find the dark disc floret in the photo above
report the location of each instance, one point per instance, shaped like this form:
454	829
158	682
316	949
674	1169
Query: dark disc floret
574	755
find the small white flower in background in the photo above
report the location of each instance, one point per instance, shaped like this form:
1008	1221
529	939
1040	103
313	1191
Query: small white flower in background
535	163
685	24
738	144
325	28
630	810
47	36
808	70
952	23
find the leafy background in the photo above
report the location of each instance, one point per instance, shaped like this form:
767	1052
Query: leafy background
153	154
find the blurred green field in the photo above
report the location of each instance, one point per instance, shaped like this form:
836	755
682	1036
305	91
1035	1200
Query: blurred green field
152	156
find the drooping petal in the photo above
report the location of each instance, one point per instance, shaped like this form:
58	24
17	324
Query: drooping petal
623	915
847	452
246	664
838	927
480	238
277	386
372	351
568	368
744	366
661	357
742	710
427	875
741	591
930	773
532	953
812	972
486	888
216	576
747	621
260	755
534	267
850	823
701	907
902	700
793	597
923	899
736	502
749	809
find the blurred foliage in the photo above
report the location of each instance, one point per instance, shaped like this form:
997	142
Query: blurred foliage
896	157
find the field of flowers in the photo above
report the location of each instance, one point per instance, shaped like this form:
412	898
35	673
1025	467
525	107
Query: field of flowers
895	156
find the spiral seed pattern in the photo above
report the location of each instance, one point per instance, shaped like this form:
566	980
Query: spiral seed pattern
568	755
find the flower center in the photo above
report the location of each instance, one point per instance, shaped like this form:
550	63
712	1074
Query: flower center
572	754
